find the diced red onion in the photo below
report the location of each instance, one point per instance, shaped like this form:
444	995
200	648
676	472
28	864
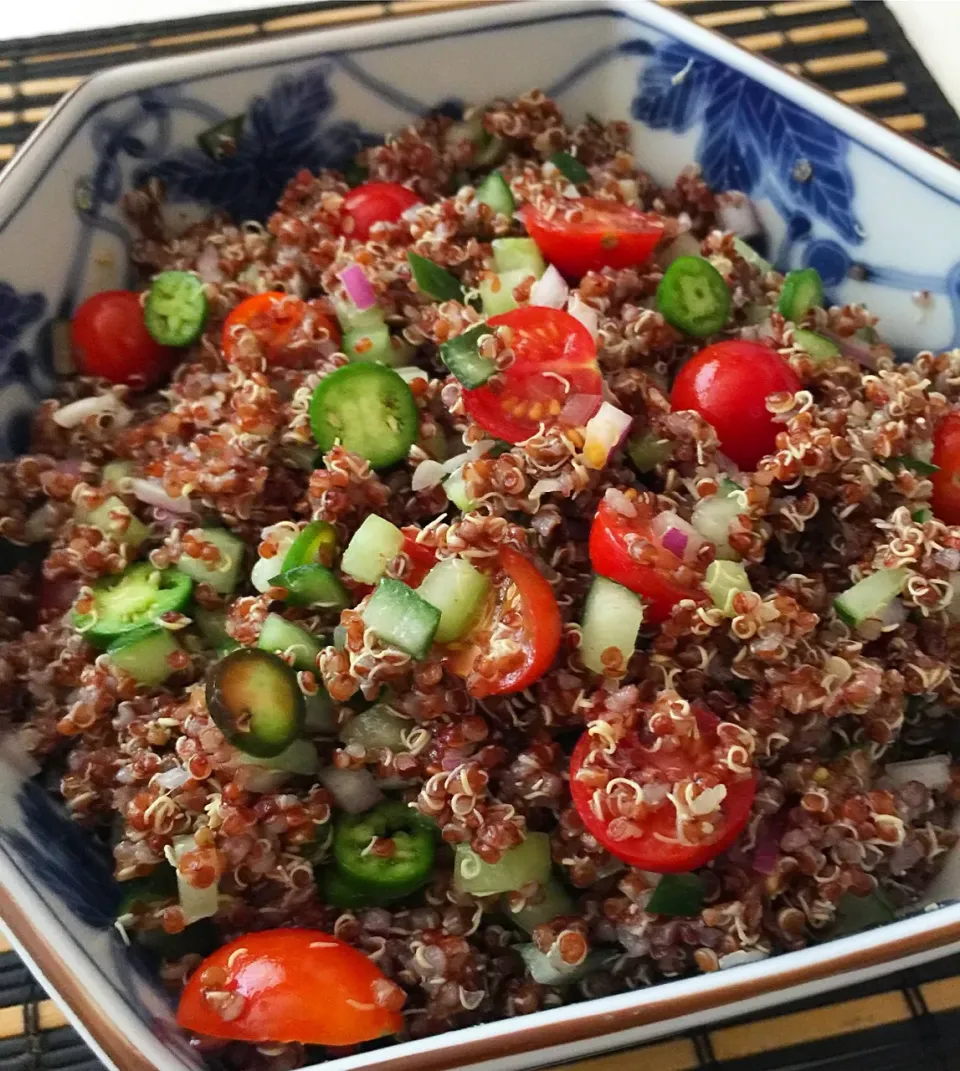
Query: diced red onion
208	265
355	791
684	245
766	851
578	409
550	290
358	287
855	348
545	487
427	474
75	413
742	956
586	314
894	613
153	494
172	779
758	332
737	213
932	771
671	526
603	434
477	450
949	558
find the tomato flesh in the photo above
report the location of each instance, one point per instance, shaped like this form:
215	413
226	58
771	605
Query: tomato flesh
533	644
109	338
608	235
679	760
547	343
275	319
376	202
946	483
654	579
728	384
422	558
294	985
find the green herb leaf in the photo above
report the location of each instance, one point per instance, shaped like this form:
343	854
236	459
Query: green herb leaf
678	895
570	167
434	280
921	516
220	142
356	174
914	464
857	913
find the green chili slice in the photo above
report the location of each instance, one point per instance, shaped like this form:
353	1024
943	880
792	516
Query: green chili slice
693	296
176	308
387	850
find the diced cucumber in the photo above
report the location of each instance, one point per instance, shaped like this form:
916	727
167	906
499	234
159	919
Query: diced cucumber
115	471
222	576
723	580
554	900
460	355
212	626
518	254
378	727
373	547
648	450
266	569
548	968
456	487
611	618
713	516
195	903
816	345
280	635
401	618
870	596
352	319
496	292
145	655
457	590
313	585
495	192
110	518
299	757
528	862
371	345
751	256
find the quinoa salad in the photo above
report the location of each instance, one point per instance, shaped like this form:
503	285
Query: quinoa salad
486	584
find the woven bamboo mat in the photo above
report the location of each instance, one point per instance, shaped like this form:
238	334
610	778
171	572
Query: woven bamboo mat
853	48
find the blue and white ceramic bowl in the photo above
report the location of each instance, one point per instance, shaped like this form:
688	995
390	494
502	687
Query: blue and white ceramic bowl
878	217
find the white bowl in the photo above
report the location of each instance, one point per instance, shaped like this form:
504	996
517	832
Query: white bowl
835	189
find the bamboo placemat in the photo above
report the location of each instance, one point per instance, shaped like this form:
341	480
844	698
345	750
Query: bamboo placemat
855	49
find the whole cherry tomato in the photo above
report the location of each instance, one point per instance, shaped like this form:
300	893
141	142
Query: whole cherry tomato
607	235
946	482
376	202
109	339
654	578
728	384
290	985
548	343
679	765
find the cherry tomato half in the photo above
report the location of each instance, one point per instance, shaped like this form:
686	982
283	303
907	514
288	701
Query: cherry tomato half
688	759
946	483
108	338
275	317
728	384
528	650
547	343
293	985
608	235
422	558
655	578
376	202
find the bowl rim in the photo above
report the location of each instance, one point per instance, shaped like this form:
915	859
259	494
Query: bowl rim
601	1016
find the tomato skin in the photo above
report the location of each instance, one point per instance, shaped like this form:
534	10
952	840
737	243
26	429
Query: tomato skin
109	338
946	483
376	202
274	318
649	852
544	340
611	558
728	384
610	235
422	558
297	985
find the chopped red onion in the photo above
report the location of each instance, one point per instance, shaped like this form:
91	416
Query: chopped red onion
477	450
586	314
737	213
949	558
579	408
684	245
427	474
670	526
358	287
153	494
550	289
932	771
675	541
603	434
895	613
75	413
766	851
208	265
172	779
355	791
855	348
